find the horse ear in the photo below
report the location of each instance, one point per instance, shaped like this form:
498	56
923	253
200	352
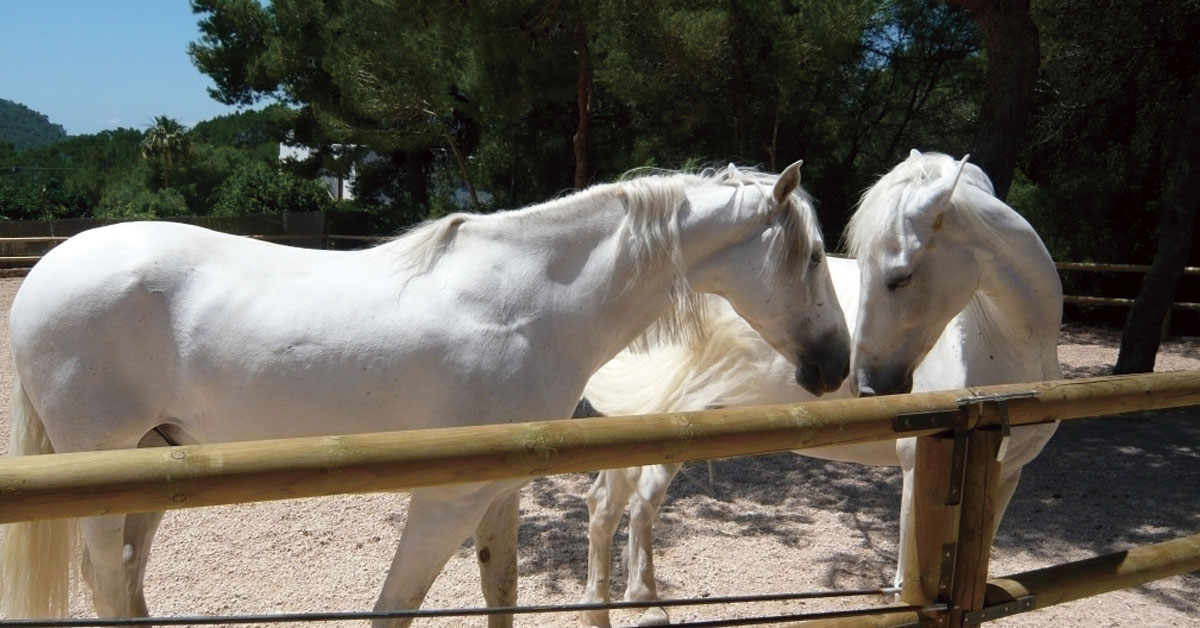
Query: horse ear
914	153
937	197
787	183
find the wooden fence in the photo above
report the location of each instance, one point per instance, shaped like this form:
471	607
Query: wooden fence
32	248
960	434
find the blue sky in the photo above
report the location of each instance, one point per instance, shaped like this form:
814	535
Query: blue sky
92	65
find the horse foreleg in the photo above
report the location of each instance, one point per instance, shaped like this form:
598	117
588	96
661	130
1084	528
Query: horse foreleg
606	504
643	514
116	549
439	520
496	552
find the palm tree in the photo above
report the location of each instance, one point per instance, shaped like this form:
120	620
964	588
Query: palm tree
166	139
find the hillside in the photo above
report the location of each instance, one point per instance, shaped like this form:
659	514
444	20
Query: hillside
25	128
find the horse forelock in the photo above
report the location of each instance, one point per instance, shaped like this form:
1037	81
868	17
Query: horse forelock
882	205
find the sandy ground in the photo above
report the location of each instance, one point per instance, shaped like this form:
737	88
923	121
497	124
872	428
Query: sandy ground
779	523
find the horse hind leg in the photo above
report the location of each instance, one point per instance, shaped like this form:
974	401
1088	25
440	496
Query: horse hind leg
606	501
496	553
643	513
116	550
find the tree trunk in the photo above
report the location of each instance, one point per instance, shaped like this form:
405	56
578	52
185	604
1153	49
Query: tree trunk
1013	57
408	163
584	103
1142	333
462	163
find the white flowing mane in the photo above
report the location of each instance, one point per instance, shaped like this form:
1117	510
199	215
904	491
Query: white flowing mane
652	203
881	206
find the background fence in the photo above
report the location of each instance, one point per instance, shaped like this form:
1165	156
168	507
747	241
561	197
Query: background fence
349	231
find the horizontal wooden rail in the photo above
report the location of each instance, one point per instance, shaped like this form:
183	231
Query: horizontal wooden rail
32	239
1104	301
1117	268
1059	584
106	482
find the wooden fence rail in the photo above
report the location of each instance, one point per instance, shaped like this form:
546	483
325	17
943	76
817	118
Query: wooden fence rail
1119	268
142	480
948	559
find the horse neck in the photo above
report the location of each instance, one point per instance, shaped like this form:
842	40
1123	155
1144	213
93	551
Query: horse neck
579	248
1018	305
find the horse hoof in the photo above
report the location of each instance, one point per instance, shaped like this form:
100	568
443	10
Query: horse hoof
594	619
654	617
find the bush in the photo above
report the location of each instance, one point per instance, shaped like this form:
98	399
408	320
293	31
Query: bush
258	189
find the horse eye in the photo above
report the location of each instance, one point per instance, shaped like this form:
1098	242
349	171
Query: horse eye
898	282
816	258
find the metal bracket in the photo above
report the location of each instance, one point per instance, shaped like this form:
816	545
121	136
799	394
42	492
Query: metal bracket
958	420
949	556
1001	402
918	421
1019	605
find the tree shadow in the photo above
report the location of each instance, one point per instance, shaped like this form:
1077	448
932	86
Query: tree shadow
767	495
1101	485
1109	484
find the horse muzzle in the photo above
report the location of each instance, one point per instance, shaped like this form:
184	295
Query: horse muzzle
824	372
873	383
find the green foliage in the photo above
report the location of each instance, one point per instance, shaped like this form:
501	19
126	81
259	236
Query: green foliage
25	128
127	202
395	89
1116	78
167	141
258	189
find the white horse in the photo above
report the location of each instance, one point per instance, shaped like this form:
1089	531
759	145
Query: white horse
149	334
952	289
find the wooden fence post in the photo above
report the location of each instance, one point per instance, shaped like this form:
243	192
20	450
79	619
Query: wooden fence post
953	521
977	524
933	527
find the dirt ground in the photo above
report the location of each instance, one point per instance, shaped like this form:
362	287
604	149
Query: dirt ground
767	524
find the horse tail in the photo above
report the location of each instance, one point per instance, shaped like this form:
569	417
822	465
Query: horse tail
35	556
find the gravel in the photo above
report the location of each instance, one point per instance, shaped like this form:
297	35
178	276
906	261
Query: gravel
765	524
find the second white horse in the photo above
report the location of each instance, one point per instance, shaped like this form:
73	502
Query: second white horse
952	288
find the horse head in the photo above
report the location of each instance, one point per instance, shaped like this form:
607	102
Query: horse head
918	269
776	276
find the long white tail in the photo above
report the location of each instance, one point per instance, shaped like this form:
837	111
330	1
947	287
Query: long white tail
35	556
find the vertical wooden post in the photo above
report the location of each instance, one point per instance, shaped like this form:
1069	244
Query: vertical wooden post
933	529
949	543
976	525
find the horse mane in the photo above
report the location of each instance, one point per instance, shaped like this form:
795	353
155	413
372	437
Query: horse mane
418	249
651	203
881	205
724	367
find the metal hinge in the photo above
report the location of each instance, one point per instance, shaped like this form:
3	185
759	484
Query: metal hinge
1019	605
